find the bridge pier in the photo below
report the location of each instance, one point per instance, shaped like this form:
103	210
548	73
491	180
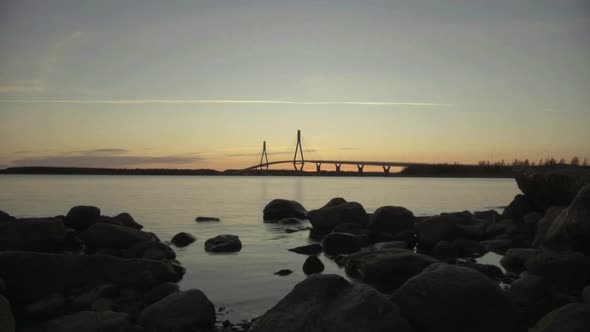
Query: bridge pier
318	167
386	170
337	167
360	168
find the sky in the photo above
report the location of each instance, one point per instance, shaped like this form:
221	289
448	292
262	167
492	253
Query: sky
201	84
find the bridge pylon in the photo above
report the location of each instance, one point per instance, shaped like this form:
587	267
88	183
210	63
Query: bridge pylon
298	150
264	157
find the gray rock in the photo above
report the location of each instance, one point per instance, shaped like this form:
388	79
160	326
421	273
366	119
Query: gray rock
32	234
223	243
515	259
571	228
183	239
565	270
341	243
490	216
529	289
49	307
329	303
444	227
452	298
279	209
388	245
313	265
85	300
310	249
149	250
7	322
5	216
125	219
181	311
518	208
545	223
159	292
91	321
22	271
103	235
335	202
573	317
325	219
386	269
206	219
391	219
81	217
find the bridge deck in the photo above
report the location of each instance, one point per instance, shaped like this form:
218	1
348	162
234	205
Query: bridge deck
345	162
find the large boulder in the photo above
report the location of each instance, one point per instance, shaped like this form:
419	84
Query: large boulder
182	239
31	276
180	311
569	271
545	187
515	259
341	243
104	235
545	223
444	227
7	323
326	218
391	219
33	234
159	292
149	250
329	303
386	269
125	219
571	228
573	317
279	209
518	208
5	216
91	321
223	243
452	298
81	217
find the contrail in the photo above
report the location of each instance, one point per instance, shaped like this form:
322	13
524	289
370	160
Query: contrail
220	101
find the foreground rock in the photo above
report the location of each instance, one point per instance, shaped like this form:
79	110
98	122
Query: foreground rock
451	298
6	318
570	230
329	303
341	243
33	234
181	311
102	235
445	227
33	276
313	265
183	239
223	243
391	220
386	269
572	317
310	249
81	217
279	209
5	216
326	218
91	321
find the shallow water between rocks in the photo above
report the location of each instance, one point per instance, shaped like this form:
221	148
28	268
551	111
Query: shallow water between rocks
244	282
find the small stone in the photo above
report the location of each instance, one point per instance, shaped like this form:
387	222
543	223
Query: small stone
310	249
284	272
313	265
183	239
206	219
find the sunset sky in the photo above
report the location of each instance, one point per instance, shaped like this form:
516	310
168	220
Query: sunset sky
200	84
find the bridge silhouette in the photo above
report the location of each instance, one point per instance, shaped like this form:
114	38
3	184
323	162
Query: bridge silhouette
298	163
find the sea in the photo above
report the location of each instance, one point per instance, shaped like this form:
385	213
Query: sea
242	283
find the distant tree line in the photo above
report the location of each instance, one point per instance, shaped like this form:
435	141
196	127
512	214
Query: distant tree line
551	161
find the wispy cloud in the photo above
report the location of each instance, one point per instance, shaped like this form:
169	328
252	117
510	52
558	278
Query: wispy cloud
100	152
34	86
107	161
227	101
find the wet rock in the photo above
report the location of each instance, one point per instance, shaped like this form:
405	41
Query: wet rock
159	292
183	239
329	303
181	311
91	321
571	228
341	243
325	219
389	245
386	269
206	219
5	216
7	322
571	317
49	307
279	209
282	273
292	230
32	234
125	219
81	217
444	227
223	243
391	219
518	208
451	298
499	246
310	249
514	260
22	271
103	235
290	221
313	265
551	186
491	271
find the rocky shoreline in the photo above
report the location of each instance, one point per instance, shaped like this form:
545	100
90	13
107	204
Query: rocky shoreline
89	272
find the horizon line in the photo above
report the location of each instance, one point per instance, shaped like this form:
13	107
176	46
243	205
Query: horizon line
221	101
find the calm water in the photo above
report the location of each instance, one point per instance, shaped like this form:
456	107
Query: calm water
243	282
